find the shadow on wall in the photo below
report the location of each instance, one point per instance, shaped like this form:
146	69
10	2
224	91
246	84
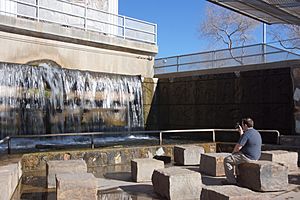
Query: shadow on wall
221	100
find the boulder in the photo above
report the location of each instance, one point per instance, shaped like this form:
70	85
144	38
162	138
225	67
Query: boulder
9	179
175	183
187	154
63	166
290	159
76	186
142	168
213	164
229	192
265	176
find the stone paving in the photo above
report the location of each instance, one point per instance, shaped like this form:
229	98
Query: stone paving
115	182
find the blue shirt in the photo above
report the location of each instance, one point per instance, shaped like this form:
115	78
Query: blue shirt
251	142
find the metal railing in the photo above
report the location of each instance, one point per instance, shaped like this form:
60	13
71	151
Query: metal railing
247	55
81	16
160	133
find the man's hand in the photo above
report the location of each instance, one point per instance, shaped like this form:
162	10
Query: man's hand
240	130
237	148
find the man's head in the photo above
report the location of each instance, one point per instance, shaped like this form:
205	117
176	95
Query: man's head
247	123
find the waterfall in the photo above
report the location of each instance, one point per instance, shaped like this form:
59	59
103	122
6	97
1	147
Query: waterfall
47	99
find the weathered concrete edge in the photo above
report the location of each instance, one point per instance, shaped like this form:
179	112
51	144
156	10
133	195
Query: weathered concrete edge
100	157
74	35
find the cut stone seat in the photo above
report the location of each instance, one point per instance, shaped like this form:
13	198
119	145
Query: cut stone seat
76	186
9	179
290	159
230	192
175	183
142	168
63	166
213	164
187	154
264	176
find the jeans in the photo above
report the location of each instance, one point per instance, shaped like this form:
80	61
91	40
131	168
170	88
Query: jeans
230	162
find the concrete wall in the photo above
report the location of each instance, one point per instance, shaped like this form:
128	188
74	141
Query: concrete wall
24	40
99	158
221	98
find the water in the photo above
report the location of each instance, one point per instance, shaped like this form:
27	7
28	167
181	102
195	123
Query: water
48	99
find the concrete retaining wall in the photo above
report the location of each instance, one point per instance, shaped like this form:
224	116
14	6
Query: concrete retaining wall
99	157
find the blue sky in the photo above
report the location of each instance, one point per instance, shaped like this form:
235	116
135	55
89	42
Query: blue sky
178	23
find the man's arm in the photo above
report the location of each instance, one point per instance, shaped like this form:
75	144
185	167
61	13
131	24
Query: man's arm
237	148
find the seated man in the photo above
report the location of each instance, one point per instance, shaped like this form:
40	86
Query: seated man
248	148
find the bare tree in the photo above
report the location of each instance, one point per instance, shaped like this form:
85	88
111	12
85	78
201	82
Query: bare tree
227	27
287	35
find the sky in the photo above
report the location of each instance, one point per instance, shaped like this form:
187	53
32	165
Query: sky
177	21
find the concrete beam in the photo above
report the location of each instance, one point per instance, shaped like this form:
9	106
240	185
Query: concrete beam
74	35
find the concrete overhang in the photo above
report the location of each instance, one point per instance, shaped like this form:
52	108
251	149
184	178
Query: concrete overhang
74	35
267	11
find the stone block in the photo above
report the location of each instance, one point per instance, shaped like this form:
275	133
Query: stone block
142	169
290	159
9	179
265	176
76	186
176	183
63	166
213	164
5	185
230	192
188	154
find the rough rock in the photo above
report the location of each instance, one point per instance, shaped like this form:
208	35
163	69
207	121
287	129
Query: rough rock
63	166
76	186
175	183
142	169
188	154
265	176
290	159
213	164
230	192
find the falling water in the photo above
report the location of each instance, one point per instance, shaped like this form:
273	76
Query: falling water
49	99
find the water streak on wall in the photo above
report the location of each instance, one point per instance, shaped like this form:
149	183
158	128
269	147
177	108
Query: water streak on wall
49	99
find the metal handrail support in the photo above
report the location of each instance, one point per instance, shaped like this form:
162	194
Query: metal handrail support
92	135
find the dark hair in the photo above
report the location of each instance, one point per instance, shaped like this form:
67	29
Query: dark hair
248	121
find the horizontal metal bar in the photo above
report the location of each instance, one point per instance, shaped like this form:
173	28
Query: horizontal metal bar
41	7
222	59
131	132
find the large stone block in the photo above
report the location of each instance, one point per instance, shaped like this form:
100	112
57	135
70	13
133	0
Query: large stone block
263	176
76	186
230	192
176	183
188	154
9	179
290	159
142	169
213	164
63	166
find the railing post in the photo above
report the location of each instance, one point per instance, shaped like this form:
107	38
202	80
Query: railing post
214	136
38	10
124	27
8	145
160	138
85	15
177	63
155	26
92	142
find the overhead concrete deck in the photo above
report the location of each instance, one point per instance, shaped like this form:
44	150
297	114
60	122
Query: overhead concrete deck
24	40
